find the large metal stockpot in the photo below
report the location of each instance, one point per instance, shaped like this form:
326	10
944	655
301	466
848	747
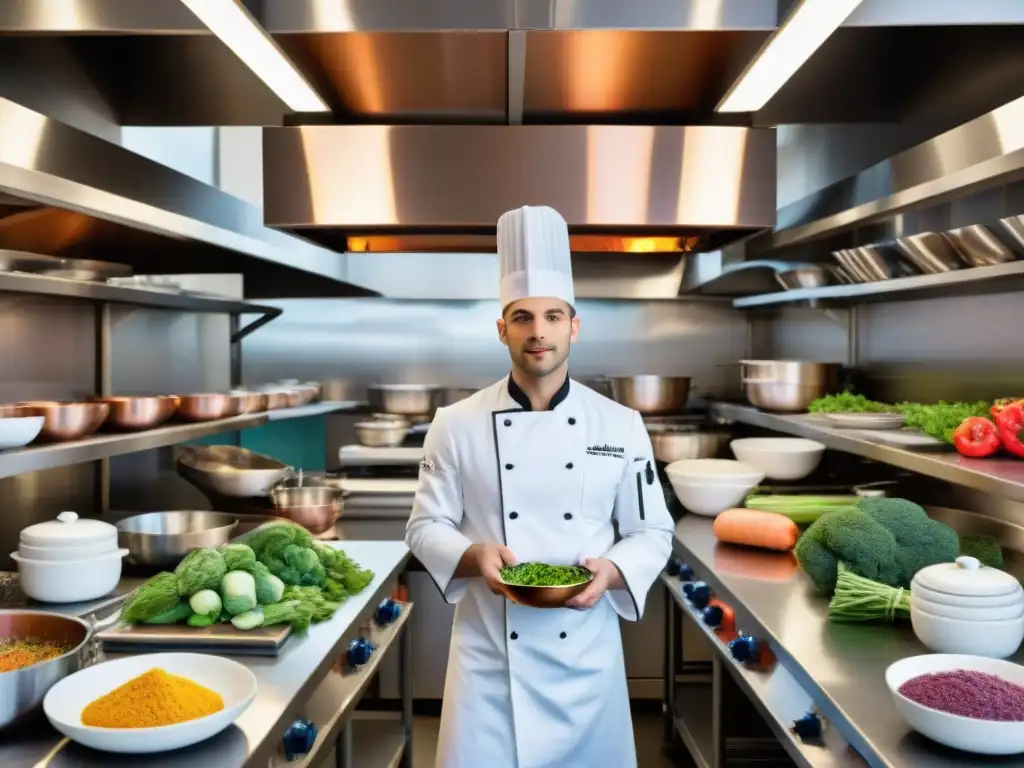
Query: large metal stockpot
787	386
652	395
405	399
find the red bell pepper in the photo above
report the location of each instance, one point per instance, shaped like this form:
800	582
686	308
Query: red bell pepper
1001	403
976	437
1010	422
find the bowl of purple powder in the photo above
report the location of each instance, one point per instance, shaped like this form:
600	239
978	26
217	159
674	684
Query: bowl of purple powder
971	703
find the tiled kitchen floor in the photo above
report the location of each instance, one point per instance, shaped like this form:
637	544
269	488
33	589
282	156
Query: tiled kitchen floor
647	729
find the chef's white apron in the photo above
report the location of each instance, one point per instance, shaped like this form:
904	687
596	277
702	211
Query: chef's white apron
528	687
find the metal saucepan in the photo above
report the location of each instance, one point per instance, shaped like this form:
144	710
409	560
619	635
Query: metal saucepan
787	386
405	399
22	691
381	433
651	395
164	538
675	443
316	508
67	421
134	413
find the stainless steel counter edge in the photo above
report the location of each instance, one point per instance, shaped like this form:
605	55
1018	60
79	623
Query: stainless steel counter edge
840	666
1000	477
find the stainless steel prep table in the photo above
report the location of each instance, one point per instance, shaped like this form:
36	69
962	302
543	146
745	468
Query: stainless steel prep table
841	667
285	684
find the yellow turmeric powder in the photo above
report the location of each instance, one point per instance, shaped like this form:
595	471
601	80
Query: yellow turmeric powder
153	699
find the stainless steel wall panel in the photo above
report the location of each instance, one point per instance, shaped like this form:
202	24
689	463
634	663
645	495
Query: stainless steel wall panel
454	343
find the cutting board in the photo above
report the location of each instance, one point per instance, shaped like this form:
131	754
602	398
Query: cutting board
220	638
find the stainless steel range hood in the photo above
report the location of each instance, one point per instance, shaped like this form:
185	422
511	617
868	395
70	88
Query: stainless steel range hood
442	188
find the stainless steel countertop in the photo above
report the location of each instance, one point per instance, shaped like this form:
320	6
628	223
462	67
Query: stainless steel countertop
284	684
841	666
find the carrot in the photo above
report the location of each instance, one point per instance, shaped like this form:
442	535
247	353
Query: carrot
753	528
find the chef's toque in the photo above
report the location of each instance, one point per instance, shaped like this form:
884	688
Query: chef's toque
533	255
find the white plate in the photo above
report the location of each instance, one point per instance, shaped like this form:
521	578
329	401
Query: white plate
866	420
64	702
983	737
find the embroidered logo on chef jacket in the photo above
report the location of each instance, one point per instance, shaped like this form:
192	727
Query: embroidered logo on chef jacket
428	465
609	451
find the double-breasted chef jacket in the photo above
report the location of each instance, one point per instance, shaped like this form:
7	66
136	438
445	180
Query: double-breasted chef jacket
529	687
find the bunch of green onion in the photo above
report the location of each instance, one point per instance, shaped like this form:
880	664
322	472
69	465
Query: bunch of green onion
802	510
860	599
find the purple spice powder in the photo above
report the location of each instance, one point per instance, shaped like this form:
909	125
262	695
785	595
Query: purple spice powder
969	694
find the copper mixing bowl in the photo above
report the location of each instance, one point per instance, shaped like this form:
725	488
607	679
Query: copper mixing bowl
67	421
544	597
316	508
207	407
135	413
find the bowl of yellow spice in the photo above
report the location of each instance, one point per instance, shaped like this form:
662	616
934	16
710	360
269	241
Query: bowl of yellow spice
150	703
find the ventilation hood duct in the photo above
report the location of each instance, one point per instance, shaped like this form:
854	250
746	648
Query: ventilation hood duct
442	188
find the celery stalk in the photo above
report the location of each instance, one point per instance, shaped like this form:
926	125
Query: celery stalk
802	510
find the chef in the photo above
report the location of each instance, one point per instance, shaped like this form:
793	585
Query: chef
538	468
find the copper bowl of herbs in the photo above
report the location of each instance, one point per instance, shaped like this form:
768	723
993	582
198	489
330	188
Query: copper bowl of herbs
540	585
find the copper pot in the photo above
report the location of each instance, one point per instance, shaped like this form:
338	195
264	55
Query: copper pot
136	413
67	421
207	407
316	508
249	402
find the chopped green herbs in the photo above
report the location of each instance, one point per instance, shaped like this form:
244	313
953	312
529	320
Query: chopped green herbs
937	420
543	575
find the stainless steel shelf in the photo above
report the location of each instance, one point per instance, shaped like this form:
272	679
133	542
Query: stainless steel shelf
1000	477
971	281
103	446
378	739
313	409
693	722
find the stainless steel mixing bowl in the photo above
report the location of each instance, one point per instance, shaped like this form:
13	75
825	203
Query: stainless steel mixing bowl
164	538
787	386
651	395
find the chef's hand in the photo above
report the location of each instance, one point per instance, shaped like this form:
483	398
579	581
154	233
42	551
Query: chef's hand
606	576
491	558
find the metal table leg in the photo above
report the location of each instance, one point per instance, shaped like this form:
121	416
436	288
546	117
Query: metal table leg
405	691
670	668
343	747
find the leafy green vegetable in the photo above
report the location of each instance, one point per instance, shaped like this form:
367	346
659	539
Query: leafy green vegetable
201	569
269	588
848	402
238	590
293	612
238	557
347	573
884	540
270	540
985	548
860	599
940	420
320	606
543	575
206	607
178	613
153	598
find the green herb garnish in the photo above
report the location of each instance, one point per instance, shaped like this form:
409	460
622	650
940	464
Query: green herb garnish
847	402
937	420
543	575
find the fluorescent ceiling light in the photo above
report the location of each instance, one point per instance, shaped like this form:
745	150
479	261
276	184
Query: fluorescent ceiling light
239	31
801	34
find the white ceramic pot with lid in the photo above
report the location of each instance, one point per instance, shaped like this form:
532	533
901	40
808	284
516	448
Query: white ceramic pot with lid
70	532
967	578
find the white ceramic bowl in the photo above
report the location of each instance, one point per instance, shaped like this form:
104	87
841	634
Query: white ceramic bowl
1016	597
993	639
984	737
973	613
19	431
69	581
709	500
64	702
64	554
714	472
780	458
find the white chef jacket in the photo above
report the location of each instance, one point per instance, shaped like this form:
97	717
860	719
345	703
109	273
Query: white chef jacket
529	687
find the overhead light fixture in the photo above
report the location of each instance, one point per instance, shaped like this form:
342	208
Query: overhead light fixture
232	23
805	29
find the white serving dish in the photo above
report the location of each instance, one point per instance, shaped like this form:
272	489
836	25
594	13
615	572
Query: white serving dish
709	500
69	581
64	702
984	737
993	639
714	472
780	458
975	612
19	431
865	420
999	601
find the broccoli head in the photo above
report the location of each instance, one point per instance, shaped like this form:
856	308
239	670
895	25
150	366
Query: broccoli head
269	541
985	548
885	540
